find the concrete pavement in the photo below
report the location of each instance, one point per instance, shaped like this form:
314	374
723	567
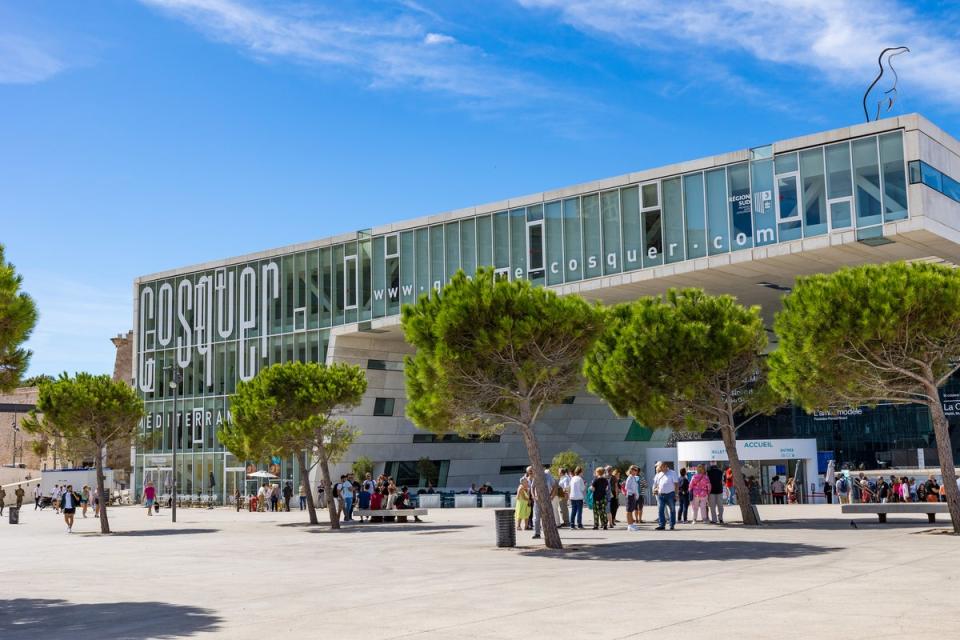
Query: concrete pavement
808	573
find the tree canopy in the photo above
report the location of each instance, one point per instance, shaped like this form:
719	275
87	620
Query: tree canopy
18	316
292	408
687	360
87	413
869	334
568	460
492	353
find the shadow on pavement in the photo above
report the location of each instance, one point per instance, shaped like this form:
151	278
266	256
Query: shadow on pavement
55	619
861	522
151	532
684	550
385	527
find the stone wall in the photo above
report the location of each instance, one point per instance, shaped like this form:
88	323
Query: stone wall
14	407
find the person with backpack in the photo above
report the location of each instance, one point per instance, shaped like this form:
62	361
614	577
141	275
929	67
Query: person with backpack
843	490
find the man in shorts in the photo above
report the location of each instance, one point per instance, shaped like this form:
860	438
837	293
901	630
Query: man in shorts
634	498
68	504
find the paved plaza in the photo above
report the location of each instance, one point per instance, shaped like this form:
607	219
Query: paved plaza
808	574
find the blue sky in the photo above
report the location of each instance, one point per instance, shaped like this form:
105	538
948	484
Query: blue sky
137	136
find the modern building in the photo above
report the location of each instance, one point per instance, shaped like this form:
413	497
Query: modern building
745	223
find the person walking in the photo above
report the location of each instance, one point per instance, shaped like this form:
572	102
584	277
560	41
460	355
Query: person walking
599	486
69	500
303	497
84	500
237	498
3	497
37	494
287	496
18	492
715	499
274	497
578	492
683	496
563	496
149	496
522	508
665	488
632	488
700	490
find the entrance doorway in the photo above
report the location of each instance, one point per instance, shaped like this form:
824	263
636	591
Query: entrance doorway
785	469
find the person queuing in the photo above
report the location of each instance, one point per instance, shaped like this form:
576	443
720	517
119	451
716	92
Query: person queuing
665	488
599	487
715	500
632	489
700	490
683	497
578	493
563	496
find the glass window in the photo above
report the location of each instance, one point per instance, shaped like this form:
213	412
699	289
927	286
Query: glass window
652	239
814	192
673	243
553	225
695	215
379	277
468	246
501	240
484	242
651	199
393	245
632	229
383	406
338	285
350	283
839	183
866	178
786	163
931	177
840	214
436	257
393	285
788	208
572	248
610	212
717	220
407	264
764	214
535	245
326	286
518	243
451	244
951	188
894	178
422	248
365	283
592	236
741	210
313	287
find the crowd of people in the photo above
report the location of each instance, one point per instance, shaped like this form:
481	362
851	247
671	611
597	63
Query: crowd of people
604	492
861	489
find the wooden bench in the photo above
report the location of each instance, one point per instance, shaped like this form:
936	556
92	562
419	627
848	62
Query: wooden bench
401	514
882	509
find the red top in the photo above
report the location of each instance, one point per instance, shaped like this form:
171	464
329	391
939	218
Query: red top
376	501
150	492
728	478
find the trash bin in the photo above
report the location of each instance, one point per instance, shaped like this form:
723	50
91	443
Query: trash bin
14	515
506	534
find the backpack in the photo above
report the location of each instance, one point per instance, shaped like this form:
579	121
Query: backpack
336	491
842	485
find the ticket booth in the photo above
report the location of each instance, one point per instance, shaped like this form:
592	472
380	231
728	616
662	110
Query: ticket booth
764	458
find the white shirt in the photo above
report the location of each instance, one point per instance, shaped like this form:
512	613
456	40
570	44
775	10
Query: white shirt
564	483
577	488
368	486
633	485
36	492
666	482
346	489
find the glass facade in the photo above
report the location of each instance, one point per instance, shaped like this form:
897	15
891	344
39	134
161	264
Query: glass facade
223	324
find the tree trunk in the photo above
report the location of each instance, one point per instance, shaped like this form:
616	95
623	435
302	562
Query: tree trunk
747	512
548	523
104	523
328	488
305	480
941	430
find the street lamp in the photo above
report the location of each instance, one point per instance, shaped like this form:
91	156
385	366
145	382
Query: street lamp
16	428
175	380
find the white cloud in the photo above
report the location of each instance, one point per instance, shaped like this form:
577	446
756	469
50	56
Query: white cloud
838	38
438	38
23	61
387	50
